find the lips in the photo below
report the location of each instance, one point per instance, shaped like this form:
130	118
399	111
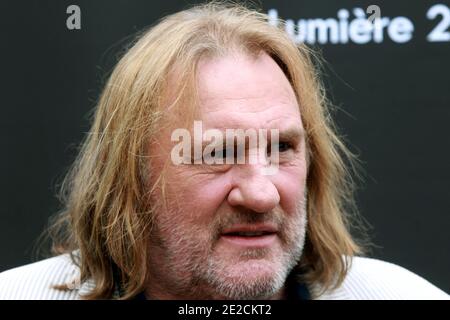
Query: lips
250	230
248	233
260	235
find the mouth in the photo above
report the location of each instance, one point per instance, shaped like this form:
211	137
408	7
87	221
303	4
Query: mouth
256	236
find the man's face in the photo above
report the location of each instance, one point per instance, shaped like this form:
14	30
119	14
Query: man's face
229	231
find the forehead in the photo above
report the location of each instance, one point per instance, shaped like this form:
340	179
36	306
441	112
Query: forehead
240	91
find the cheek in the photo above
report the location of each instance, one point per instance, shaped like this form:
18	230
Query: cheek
291	184
198	195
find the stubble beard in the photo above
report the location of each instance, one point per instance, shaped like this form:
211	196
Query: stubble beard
192	269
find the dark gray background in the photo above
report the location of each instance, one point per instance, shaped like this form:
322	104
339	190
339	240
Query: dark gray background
393	104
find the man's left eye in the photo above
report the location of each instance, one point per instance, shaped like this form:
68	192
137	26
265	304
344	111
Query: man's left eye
282	147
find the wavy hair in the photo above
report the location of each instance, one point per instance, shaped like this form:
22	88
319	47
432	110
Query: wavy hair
106	212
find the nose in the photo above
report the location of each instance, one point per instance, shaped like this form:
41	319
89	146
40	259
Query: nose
253	191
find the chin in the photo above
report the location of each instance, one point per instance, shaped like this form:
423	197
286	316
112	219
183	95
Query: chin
251	279
253	269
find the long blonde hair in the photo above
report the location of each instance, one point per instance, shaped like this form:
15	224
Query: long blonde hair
107	215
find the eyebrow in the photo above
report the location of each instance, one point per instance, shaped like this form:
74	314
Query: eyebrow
293	134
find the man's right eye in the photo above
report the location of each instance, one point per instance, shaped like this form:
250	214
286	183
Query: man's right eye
223	153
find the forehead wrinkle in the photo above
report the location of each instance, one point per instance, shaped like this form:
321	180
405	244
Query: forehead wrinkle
247	119
248	109
233	78
286	98
258	93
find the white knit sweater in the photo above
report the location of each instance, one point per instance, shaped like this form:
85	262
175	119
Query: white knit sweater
367	279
